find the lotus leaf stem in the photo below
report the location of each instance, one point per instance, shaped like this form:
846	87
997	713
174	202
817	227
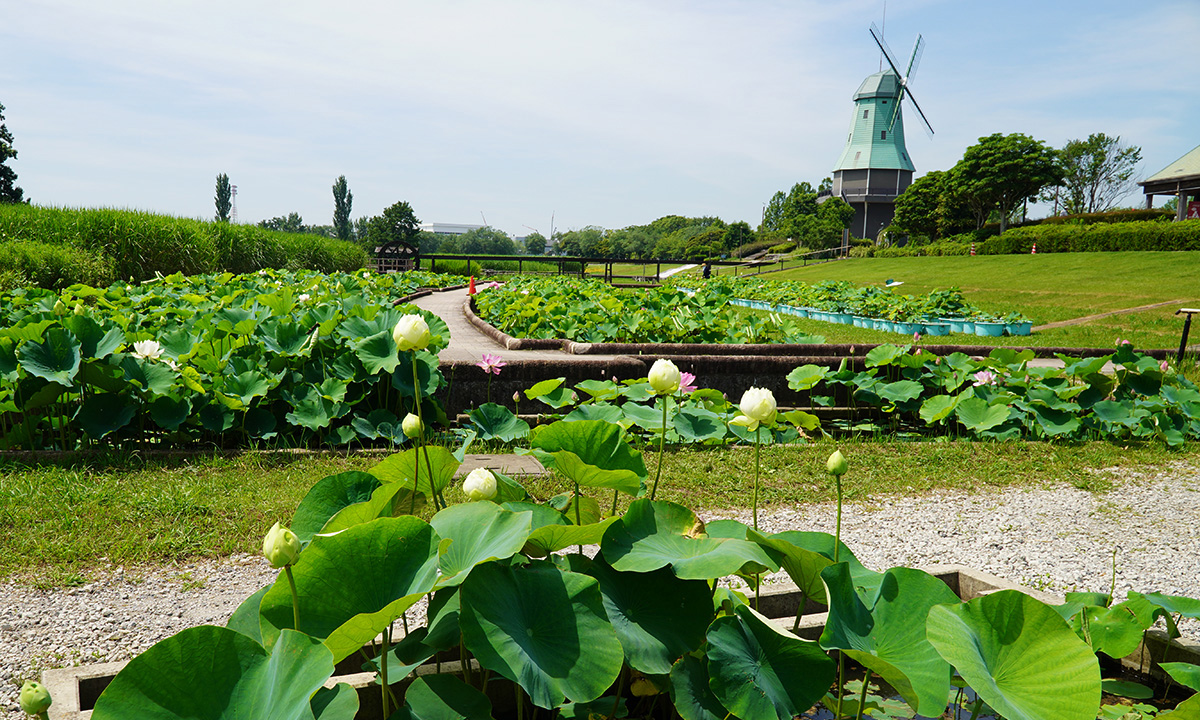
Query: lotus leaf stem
841	681
978	707
862	697
617	698
757	465
662	439
287	569
383	675
837	538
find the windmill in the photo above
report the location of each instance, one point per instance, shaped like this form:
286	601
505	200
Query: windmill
874	167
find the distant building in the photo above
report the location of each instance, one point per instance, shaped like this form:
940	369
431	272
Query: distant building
448	228
1181	179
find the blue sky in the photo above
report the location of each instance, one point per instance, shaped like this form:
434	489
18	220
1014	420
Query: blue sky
608	113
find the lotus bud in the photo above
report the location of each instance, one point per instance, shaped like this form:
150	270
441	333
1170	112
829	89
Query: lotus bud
480	484
34	698
412	333
78	308
517	396
837	464
60	308
664	377
758	408
281	546
411	426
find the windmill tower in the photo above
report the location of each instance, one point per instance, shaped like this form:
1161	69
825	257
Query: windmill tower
874	168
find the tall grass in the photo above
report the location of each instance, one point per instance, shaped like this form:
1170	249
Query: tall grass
55	247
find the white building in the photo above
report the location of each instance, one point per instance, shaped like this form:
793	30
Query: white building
448	228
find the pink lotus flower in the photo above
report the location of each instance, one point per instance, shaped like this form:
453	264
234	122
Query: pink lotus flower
685	382
491	364
1123	342
916	337
985	377
489	286
1163	365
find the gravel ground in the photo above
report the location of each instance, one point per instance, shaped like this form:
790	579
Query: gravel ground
1055	538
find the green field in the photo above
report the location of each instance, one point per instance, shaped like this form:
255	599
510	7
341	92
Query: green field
1048	288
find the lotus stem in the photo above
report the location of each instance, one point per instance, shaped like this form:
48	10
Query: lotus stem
837	538
841	690
757	465
617	698
862	697
799	612
383	677
295	597
978	707
661	441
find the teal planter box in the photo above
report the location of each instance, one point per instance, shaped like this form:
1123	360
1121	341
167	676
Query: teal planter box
936	328
1023	328
989	329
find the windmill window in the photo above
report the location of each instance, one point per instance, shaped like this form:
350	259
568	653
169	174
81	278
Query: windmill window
865	112
857	155
883	134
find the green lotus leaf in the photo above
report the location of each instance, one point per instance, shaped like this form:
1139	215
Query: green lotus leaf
1113	631
170	411
376	424
216	418
1005	645
938	408
339	702
657	616
881	355
387	500
552	538
598	411
378	353
977	415
496	422
806	377
600	390
217	673
698	425
327	497
1186	674
760	673
55	357
1053	422
655	534
646	417
474	533
1185	606
151	375
899	391
247	386
245	617
443	697
415	465
884	630
102	414
427	372
259	422
543	628
803	420
690	691
804	554
354	584
592	453
95	341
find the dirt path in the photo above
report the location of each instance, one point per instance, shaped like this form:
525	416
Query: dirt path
1089	318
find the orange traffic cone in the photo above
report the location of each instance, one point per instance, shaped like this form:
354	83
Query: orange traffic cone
972	249
1034	251
471	286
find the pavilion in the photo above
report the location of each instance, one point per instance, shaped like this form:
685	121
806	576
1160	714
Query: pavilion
1181	179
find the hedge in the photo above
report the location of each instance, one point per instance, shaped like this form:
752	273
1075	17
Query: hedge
1100	237
55	247
1112	216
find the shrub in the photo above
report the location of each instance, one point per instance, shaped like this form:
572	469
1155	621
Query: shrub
26	262
862	251
1135	235
751	248
785	247
1111	216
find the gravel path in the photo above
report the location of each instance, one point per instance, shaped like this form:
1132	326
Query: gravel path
1055	538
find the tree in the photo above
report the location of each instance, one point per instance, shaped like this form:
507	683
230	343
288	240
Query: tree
1001	171
737	234
343	200
224	198
9	192
486	241
398	222
1098	172
290	223
535	243
362	228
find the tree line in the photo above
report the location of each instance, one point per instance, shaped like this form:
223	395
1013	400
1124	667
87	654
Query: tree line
1000	175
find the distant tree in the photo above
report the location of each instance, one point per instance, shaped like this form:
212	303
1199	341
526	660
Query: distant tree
343	200
1098	172
398	222
362	228
290	223
1002	171
535	243
224	198
486	241
9	192
825	186
581	243
737	234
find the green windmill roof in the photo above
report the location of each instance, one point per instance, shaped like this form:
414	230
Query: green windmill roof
866	146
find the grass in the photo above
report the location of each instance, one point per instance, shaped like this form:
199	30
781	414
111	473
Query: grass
61	524
1047	288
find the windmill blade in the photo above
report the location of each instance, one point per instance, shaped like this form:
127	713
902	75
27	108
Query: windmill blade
925	120
887	52
895	111
915	59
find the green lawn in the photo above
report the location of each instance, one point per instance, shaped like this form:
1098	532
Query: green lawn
1047	288
59	525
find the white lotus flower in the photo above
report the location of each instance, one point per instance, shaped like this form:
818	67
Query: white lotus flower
147	349
480	484
412	333
664	377
758	408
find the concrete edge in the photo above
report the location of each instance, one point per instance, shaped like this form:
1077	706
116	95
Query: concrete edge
508	341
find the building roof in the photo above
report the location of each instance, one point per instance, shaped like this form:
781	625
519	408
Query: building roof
871	142
1185	166
883	84
1181	175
